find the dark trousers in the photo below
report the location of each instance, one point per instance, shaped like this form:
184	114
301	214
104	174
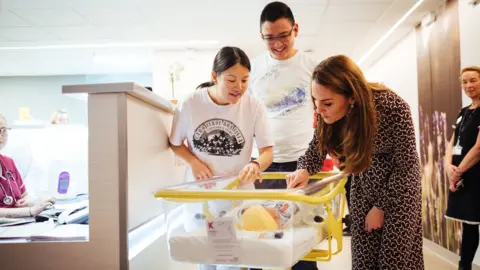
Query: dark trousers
282	184
346	219
348	186
470	239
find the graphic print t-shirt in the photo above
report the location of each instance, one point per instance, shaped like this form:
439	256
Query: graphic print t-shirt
220	136
284	87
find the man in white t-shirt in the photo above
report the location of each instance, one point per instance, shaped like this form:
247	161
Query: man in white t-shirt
281	78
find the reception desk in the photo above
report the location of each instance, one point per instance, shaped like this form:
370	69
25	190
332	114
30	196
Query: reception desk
128	159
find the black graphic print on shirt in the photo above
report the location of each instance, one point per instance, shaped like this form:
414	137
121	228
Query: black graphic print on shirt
218	137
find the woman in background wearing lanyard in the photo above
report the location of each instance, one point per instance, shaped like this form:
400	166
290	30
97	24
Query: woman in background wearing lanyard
463	169
14	201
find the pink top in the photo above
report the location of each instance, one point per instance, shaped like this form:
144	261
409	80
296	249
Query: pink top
16	182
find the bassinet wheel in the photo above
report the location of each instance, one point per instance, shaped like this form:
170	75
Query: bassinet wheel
347	221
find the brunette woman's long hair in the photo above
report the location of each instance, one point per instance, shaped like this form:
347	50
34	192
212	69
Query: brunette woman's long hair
351	137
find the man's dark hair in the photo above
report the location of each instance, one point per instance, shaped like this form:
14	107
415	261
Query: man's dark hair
274	11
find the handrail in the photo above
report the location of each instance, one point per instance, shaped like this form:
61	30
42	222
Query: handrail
130	88
294	195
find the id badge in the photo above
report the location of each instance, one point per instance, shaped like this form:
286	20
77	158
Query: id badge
457	150
459	119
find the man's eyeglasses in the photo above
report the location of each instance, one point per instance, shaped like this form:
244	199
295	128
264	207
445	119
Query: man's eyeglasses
4	131
282	38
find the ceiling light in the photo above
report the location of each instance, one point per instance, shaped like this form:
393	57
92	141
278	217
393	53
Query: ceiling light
176	44
390	32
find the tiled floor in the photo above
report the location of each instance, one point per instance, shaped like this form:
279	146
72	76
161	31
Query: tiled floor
343	260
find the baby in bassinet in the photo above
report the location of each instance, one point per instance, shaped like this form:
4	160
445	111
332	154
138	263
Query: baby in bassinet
273	216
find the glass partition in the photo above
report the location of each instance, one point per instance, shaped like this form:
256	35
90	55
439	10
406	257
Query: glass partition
44	168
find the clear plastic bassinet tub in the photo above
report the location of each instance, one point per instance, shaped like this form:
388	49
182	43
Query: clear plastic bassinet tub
217	222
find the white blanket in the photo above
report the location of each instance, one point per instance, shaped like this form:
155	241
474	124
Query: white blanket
193	247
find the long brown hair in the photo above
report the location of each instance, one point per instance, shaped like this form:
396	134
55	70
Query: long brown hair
351	137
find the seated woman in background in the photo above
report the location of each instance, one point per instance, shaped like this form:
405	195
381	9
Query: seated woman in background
463	169
14	200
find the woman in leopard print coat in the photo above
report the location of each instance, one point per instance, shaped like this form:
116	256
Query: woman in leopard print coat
371	128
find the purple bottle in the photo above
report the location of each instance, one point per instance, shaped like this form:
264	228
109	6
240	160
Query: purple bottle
63	182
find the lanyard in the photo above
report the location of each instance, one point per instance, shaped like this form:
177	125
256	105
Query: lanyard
463	121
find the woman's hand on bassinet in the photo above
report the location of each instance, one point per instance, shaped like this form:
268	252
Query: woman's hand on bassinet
250	173
299	178
200	170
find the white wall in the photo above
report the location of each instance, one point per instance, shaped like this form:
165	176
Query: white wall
469	50
398	70
469	37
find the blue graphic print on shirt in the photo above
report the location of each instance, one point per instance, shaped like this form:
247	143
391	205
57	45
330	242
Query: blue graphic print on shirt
293	100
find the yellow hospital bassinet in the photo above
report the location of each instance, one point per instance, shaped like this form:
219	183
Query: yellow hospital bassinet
216	222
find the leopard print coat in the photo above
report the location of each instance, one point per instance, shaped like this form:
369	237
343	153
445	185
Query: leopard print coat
393	184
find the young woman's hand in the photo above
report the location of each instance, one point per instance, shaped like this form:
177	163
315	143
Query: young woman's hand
298	178
250	173
200	170
374	219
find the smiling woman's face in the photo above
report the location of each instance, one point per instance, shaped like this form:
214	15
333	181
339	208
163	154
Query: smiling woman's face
471	84
231	84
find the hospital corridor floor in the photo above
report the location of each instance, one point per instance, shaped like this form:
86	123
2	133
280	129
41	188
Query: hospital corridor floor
343	260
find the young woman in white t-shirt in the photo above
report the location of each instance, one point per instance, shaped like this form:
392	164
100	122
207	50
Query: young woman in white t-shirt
219	124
